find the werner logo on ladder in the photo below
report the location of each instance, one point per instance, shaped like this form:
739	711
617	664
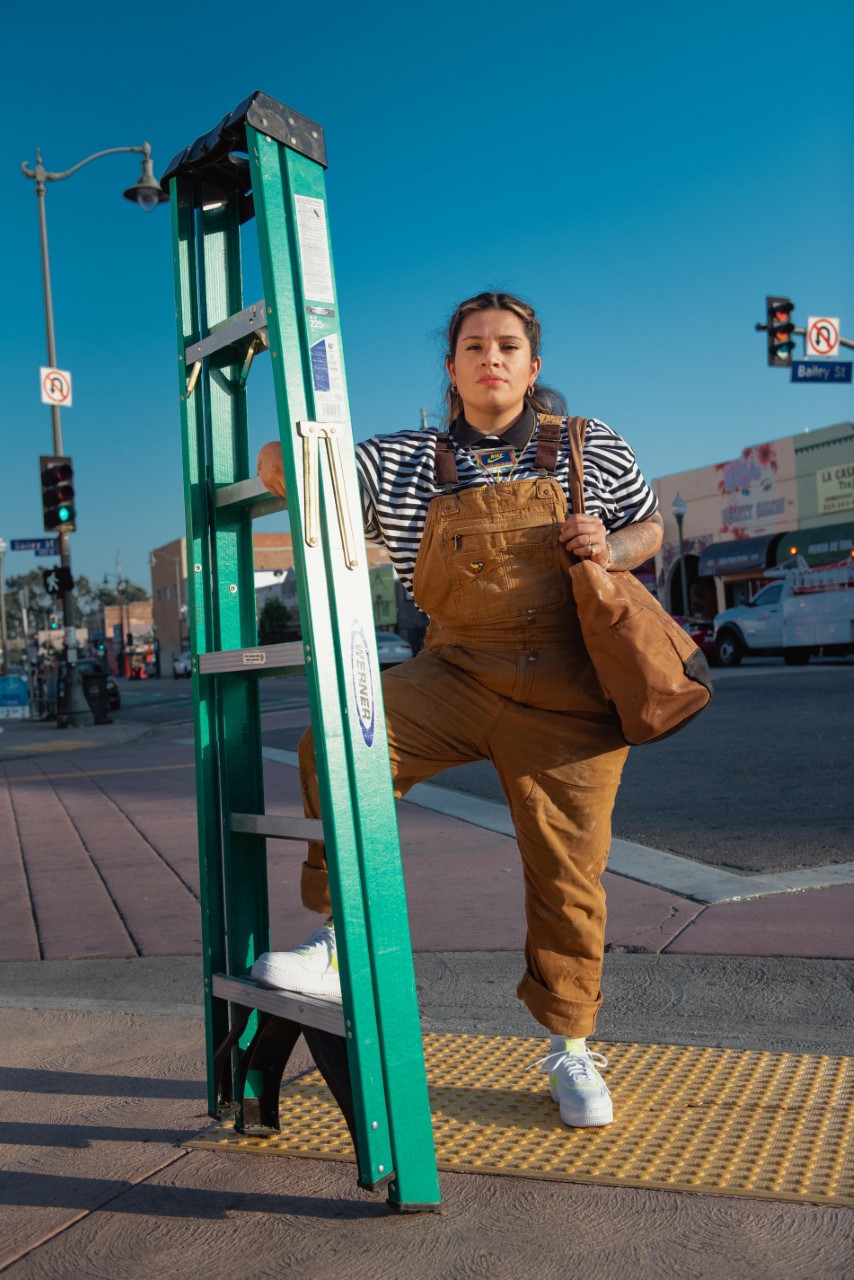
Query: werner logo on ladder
267	160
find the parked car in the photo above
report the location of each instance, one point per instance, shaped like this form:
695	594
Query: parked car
182	665
702	632
92	667
392	648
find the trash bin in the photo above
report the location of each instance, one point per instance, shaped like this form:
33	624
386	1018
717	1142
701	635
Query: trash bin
95	690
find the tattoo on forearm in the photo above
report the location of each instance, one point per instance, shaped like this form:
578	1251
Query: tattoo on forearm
633	545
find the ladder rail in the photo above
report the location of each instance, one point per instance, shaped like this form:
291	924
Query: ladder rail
211	884
372	823
237	702
291	374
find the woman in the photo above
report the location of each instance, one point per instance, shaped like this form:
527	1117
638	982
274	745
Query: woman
477	526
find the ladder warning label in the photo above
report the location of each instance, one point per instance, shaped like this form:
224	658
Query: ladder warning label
320	366
314	249
327	378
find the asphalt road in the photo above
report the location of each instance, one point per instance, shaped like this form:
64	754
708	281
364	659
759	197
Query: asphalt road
760	782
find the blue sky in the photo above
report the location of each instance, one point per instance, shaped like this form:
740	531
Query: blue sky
643	174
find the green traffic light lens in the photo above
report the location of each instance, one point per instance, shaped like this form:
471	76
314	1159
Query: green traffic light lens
64	514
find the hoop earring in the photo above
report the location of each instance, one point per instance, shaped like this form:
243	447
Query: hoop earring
454	391
531	388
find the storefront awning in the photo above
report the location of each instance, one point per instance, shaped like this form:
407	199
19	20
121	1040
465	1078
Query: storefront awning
740	556
824	545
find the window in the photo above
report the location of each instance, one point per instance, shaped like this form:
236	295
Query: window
769	595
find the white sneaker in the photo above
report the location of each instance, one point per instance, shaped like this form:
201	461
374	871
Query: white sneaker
584	1097
311	969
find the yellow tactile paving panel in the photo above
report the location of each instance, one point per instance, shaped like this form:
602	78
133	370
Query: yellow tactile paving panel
717	1121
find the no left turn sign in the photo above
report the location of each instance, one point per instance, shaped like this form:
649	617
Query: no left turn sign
56	387
823	336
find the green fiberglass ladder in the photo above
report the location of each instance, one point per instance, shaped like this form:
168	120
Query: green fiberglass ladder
266	161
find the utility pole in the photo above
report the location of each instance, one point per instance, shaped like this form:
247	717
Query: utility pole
3	641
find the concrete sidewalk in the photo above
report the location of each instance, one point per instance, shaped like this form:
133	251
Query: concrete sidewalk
22	738
103	1073
113	809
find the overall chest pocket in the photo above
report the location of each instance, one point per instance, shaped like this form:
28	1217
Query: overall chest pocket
495	576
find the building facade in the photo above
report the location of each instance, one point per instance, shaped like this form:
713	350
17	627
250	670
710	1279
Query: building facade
169	601
785	498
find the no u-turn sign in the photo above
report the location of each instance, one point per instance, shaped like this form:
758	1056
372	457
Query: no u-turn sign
56	387
822	336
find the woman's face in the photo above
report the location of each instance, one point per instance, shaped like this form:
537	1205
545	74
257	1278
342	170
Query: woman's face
492	367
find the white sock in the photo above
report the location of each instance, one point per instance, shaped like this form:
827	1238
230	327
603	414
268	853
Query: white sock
568	1044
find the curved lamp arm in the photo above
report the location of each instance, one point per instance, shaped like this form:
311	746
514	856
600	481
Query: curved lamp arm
41	174
145	192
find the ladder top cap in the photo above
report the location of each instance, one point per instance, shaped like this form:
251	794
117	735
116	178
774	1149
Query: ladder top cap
212	157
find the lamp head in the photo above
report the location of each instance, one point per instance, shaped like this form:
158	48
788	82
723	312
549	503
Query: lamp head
146	192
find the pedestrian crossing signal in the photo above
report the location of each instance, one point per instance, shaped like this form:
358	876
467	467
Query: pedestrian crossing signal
59	511
780	329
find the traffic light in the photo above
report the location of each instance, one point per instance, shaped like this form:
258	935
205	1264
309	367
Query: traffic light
54	622
778	313
57	476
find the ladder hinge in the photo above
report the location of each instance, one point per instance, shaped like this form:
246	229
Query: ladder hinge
311	433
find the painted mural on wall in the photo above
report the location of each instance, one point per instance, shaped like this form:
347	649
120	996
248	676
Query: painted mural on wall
752	505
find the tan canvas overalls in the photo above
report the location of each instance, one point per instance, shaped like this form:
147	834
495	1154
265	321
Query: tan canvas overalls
505	677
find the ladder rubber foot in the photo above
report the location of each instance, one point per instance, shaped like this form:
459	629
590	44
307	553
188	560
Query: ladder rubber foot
414	1208
379	1185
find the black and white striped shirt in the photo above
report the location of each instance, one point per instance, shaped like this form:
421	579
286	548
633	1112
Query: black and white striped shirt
396	474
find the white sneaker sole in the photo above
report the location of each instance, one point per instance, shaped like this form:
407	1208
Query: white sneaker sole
327	985
591	1118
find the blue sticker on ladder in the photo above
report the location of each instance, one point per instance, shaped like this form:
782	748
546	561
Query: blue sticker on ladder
320	366
363	684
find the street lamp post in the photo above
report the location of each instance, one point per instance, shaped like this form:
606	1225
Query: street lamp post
122	660
679	507
179	603
147	194
5	660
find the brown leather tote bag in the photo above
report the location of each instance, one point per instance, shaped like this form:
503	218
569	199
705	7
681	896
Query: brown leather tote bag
650	670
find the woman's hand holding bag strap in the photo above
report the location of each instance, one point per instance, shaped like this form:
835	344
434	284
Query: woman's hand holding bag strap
651	672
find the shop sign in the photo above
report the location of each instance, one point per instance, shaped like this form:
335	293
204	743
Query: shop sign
835	487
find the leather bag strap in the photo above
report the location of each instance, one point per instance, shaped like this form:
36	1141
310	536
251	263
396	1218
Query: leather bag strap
576	430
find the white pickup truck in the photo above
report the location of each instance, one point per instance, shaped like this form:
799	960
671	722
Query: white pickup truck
801	612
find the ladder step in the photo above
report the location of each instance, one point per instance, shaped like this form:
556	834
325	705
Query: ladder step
265	659
279	827
314	1011
251	494
234	331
